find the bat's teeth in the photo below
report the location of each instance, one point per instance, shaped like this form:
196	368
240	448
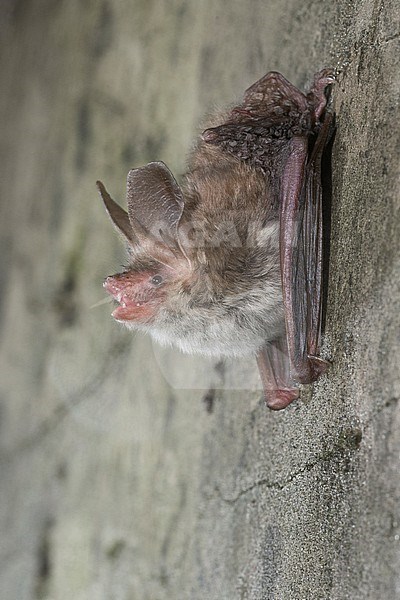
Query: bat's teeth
121	299
126	301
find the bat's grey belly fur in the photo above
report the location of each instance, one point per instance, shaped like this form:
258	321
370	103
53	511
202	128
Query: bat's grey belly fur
238	329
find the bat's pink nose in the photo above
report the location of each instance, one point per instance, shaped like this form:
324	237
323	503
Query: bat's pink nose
115	284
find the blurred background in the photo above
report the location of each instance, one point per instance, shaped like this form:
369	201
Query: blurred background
128	472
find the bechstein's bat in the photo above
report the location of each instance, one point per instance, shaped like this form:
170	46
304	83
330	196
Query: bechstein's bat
229	262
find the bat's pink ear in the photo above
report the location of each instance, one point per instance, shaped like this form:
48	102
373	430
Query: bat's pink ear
117	214
155	206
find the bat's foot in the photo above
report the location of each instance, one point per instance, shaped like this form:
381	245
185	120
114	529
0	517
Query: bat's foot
280	399
317	92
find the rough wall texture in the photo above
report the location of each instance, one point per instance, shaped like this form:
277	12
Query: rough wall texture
115	484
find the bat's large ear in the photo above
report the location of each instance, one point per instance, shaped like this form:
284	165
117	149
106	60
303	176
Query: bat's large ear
155	207
117	214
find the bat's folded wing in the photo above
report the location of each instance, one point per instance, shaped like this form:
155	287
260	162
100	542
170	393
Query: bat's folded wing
301	254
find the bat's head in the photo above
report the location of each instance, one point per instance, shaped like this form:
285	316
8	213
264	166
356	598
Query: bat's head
140	294
208	298
158	264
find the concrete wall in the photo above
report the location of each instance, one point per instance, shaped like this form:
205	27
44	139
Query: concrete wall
114	483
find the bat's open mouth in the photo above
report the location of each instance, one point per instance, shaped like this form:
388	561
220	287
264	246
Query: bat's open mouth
127	309
130	307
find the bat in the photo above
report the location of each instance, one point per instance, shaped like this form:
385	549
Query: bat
229	262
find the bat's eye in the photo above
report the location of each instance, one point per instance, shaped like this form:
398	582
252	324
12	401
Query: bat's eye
157	280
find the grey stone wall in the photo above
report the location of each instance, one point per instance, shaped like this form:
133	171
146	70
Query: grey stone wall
117	483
